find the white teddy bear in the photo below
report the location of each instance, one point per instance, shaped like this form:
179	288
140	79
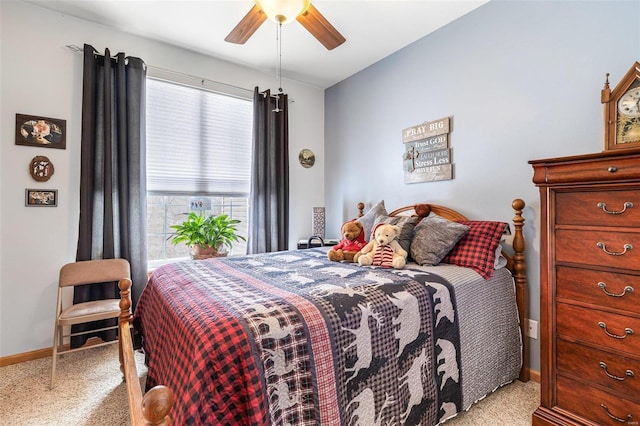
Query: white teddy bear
383	250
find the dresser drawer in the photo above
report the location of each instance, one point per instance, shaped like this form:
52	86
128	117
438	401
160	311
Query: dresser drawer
598	247
592	325
607	169
601	407
615	291
610	208
618	373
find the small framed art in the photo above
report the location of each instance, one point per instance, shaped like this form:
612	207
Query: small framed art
41	197
43	132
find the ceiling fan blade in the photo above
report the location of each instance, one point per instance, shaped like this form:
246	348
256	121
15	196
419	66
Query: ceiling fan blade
320	28
247	26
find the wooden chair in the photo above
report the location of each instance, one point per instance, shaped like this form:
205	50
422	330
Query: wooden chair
93	272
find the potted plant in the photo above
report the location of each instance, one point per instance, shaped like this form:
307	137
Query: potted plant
208	236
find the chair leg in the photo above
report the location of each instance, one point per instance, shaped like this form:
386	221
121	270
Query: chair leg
54	354
60	337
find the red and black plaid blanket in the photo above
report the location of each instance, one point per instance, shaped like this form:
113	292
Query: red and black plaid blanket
290	338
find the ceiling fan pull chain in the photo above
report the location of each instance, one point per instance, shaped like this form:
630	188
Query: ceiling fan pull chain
279	71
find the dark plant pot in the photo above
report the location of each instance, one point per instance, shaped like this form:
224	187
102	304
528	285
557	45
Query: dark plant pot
206	252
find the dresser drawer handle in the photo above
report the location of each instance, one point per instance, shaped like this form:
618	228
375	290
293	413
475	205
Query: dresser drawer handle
614	253
627	331
618	419
627	373
625	206
603	287
612	169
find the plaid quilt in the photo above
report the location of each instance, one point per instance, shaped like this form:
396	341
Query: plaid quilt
290	338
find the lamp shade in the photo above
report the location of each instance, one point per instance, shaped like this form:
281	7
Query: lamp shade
283	11
317	221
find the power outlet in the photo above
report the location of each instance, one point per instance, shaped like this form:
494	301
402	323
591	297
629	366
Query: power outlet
532	329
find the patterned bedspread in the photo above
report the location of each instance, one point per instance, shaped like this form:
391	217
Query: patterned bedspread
290	338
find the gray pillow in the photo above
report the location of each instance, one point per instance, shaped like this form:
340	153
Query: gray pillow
370	216
434	237
406	224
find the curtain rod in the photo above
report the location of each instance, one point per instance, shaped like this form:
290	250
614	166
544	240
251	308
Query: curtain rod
74	48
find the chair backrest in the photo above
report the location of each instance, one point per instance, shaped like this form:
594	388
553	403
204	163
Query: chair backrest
93	271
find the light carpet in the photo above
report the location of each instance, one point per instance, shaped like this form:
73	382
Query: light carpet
89	391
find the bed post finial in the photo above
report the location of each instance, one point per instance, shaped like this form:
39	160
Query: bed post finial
156	405
125	299
520	279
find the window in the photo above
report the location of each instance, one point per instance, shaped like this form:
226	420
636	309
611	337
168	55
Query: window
198	154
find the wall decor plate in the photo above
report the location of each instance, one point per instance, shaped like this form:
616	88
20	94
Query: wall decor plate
307	158
41	168
43	132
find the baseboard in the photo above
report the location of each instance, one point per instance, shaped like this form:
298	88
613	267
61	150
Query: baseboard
43	353
534	375
40	353
25	356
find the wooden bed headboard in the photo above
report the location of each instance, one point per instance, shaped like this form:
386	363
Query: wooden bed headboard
153	408
422	210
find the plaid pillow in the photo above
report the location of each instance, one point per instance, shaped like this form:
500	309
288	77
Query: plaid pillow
477	249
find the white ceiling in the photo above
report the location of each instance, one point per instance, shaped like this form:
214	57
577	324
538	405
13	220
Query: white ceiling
374	29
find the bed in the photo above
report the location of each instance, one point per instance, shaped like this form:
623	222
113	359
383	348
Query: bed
291	338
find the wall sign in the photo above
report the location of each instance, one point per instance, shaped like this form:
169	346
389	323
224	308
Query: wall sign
427	155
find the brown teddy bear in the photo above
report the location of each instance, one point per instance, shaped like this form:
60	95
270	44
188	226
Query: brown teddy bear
383	250
351	243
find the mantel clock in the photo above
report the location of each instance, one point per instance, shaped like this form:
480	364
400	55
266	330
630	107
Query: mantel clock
622	111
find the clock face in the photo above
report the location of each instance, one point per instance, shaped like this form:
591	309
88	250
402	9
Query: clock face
629	103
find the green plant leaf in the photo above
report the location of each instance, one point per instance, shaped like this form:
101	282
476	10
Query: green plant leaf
213	231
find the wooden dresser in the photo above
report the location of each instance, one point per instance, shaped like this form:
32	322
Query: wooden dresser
589	289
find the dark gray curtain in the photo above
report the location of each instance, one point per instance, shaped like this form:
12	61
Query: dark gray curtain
269	199
113	173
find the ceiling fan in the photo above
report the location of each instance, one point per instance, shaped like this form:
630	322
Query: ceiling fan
282	12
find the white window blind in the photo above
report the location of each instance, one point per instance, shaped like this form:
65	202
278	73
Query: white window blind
198	142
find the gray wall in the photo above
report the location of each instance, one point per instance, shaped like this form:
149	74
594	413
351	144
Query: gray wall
521	80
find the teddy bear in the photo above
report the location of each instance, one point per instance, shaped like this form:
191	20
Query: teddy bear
351	243
383	250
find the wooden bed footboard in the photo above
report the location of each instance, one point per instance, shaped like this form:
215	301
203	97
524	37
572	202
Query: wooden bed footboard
153	408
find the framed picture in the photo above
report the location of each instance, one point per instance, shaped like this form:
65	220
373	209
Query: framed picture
43	132
41	197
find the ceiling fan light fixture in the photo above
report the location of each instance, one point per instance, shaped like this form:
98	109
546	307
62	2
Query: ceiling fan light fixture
283	11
